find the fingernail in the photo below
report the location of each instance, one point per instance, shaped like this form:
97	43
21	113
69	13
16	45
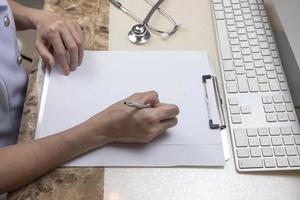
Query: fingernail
73	68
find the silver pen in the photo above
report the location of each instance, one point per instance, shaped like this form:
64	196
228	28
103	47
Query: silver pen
137	105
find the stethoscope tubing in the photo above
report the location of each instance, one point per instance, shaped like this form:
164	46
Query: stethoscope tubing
139	20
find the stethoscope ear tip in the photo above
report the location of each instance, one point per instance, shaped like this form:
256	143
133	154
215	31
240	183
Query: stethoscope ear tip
178	23
164	36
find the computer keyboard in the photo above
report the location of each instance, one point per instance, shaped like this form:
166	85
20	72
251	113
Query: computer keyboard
263	124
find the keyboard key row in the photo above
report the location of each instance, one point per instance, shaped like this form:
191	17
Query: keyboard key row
267	152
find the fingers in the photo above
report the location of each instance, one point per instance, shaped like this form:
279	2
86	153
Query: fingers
169	123
66	39
60	52
76	32
165	111
72	48
150	97
44	52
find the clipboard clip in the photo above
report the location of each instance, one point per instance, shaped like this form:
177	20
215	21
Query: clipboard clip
218	99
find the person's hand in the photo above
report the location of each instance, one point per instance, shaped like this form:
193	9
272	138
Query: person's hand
63	37
131	125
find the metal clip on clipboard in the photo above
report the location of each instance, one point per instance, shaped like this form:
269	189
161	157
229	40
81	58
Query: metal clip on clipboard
218	99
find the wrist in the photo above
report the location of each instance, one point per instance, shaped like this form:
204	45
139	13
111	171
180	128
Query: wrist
32	16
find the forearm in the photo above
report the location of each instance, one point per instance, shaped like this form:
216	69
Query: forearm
24	16
23	163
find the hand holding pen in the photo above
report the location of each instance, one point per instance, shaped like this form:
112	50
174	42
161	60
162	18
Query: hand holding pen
139	118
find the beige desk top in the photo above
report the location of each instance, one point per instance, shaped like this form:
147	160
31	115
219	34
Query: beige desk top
197	33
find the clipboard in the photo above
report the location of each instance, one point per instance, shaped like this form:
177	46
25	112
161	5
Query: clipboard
112	72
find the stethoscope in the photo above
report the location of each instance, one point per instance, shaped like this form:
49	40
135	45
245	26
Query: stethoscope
139	34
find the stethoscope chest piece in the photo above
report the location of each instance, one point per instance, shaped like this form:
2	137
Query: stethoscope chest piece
139	34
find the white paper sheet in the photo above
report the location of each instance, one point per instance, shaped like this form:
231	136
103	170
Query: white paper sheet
107	77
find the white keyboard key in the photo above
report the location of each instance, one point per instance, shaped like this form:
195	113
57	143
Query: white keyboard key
260	71
219	15
246	110
218	6
283	86
252	132
258	63
242	83
235	48
288	140
274	131
253	142
240	137
257	56
269	67
286	130
245	44
278	99
276	141
266	99
269	108
231	28
233	35
264	141
233	101
282	117
282	162
255	49
226	3
236	119
239	70
279	107
253	42
264	87
291	150
246	51
267	152
271	74
289	107
238	63
297	139
235	110
271	117
279	151
236	7
274	85
263	131
250	28
253	85
228	65
251	74
269	162
294	161
237	12
291	117
295	129
223	41
243	153
255	152
237	55
247	163
229	76
231	87
262	79
266	52
249	66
